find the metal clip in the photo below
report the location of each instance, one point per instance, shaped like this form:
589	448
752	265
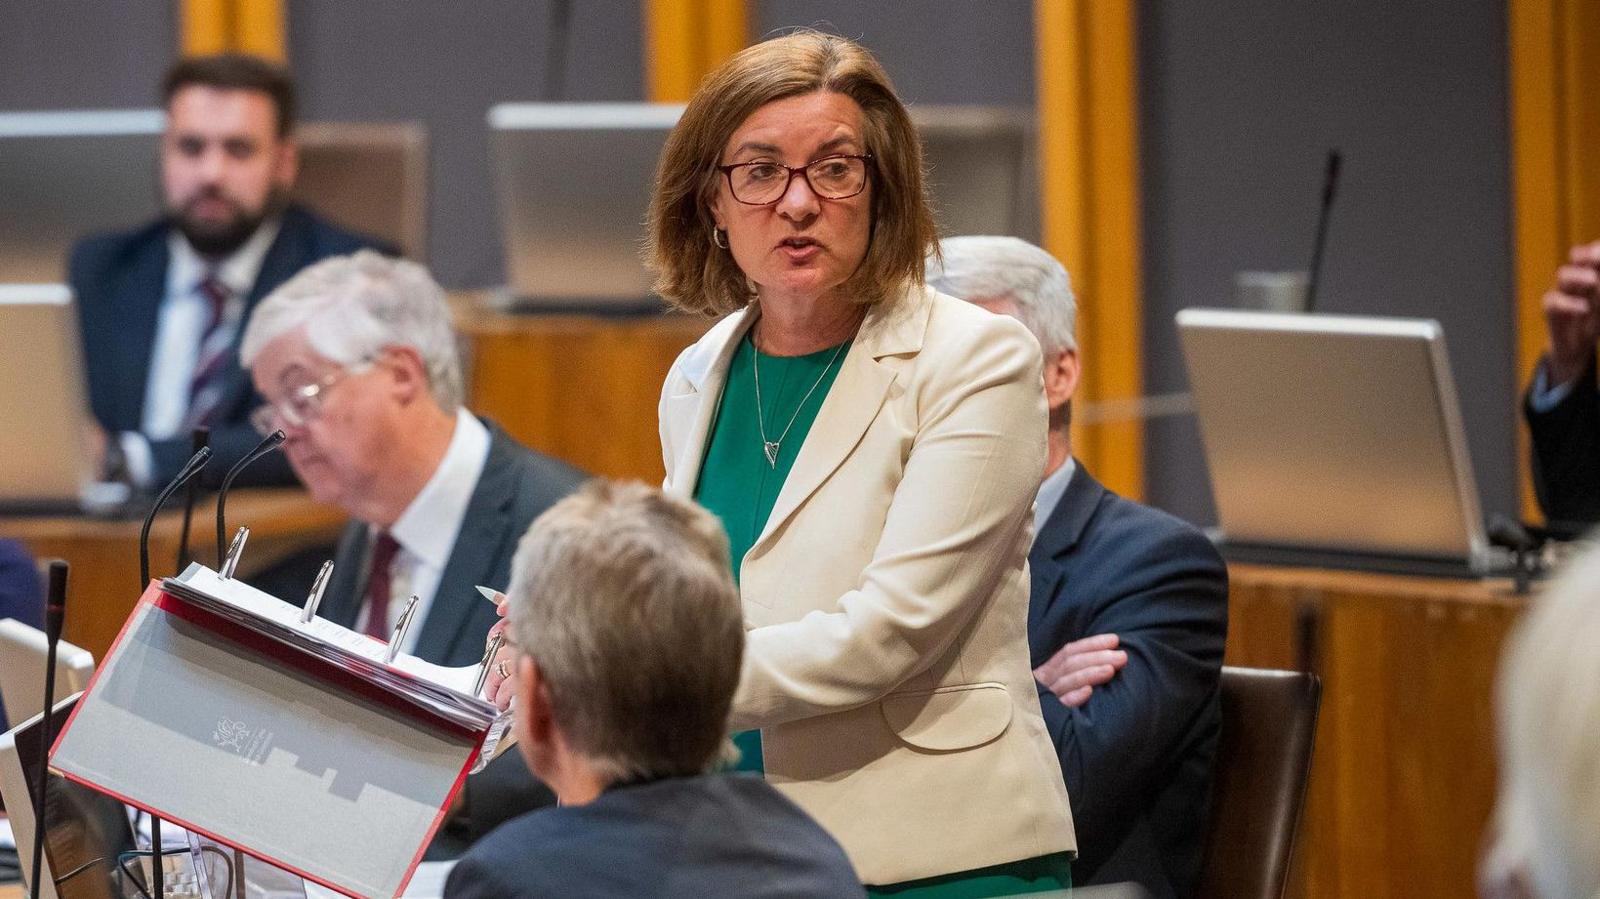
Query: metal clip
315	598
230	562
400	628
495	643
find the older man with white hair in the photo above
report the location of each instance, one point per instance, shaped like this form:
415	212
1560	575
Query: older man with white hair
628	637
1547	707
1127	615
356	359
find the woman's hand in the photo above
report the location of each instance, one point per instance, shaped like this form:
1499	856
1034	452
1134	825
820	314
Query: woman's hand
497	688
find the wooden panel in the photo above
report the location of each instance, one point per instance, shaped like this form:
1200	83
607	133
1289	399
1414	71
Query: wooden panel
581	389
1089	184
1403	775
246	26
1555	144
103	582
685	39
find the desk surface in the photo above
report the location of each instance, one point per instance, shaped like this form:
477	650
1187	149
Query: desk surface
103	581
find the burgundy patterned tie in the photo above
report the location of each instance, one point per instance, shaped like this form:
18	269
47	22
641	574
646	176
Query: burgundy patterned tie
379	584
205	388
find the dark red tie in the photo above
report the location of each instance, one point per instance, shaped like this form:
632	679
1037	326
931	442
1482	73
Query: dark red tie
205	388
379	581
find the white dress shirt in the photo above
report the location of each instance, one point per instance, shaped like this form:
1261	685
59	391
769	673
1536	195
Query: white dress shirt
180	324
427	529
1050	493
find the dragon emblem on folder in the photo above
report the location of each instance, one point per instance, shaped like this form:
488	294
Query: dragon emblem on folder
230	734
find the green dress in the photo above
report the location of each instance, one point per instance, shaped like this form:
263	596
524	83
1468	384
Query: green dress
740	486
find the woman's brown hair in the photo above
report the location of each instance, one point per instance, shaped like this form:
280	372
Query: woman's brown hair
696	275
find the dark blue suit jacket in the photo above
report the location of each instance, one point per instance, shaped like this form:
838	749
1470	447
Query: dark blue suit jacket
516	486
1566	455
120	280
681	838
21	594
1137	756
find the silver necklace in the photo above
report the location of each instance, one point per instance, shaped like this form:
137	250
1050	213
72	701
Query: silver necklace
770	447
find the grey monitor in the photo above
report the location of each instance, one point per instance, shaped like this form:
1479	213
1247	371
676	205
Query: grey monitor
573	180
66	174
44	443
982	171
1334	434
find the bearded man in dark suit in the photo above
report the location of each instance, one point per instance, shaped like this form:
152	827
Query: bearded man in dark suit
161	307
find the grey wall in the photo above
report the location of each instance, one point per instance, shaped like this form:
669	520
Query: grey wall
936	51
1240	102
445	64
84	54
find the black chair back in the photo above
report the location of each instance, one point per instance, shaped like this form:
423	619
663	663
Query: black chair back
1269	723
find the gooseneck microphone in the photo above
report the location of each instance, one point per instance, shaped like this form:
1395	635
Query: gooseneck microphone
1330	186
190	469
270	443
55	611
198	439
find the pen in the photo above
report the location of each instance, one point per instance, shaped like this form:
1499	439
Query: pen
491	594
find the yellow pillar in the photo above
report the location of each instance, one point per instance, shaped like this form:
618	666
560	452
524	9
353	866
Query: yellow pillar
245	26
685	39
1089	188
1555	155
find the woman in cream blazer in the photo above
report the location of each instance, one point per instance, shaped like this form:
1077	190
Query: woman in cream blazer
886	594
886	662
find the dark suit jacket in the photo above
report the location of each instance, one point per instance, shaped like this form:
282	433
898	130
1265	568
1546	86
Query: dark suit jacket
1137	756
120	280
21	594
517	485
1566	455
681	838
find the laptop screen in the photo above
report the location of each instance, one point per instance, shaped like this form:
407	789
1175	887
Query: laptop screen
88	831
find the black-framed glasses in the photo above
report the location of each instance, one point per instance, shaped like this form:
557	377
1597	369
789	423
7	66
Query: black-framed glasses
837	177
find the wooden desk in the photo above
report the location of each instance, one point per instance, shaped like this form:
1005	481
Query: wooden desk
581	388
1403	776
103	583
11	891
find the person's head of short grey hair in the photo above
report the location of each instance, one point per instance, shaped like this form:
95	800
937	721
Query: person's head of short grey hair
1548	709
352	307
983	267
624	599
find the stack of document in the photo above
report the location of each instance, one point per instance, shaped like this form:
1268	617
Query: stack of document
218	709
446	692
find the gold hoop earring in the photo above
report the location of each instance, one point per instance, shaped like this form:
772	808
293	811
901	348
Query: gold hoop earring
719	237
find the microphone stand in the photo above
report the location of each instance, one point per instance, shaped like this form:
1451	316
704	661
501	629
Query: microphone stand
55	611
272	442
1330	184
198	439
190	469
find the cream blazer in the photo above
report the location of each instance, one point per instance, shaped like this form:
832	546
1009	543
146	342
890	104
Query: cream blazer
886	600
